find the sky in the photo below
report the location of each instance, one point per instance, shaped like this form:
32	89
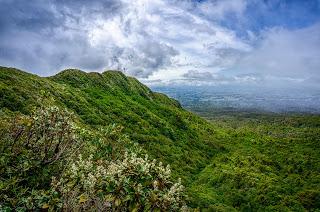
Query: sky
167	42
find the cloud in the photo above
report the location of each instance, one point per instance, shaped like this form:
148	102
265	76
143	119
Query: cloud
280	58
139	37
218	10
208	41
47	37
196	75
285	53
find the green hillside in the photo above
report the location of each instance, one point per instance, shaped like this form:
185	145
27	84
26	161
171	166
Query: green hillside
245	162
165	130
271	164
157	122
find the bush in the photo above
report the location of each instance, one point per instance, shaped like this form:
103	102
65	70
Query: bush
131	183
31	148
47	136
39	169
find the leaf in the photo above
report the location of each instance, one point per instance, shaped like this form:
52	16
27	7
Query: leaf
147	206
135	209
109	198
45	206
83	198
127	198
117	202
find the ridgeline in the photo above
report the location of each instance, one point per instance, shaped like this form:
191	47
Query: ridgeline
228	164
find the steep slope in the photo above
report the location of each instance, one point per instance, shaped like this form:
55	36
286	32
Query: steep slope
168	132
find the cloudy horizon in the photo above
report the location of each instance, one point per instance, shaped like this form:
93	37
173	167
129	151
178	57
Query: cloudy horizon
201	42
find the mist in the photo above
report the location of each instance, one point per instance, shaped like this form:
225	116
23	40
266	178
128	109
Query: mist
262	98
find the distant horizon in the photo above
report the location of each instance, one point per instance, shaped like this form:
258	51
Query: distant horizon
240	97
244	98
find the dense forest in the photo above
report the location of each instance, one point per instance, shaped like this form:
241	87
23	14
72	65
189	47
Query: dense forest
271	162
91	141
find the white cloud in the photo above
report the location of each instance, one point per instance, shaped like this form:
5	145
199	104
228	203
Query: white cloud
219	9
285	53
146	38
155	40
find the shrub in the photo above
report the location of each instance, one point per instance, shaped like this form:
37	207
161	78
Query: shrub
47	136
39	170
132	183
30	149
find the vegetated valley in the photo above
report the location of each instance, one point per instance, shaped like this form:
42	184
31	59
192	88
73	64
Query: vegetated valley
89	141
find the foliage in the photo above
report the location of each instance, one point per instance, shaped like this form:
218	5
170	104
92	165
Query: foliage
133	183
35	149
246	161
48	135
31	148
271	163
159	124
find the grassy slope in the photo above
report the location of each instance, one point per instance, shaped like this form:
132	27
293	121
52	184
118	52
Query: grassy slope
268	162
168	132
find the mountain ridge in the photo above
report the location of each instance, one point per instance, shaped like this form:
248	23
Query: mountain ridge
110	79
228	162
155	121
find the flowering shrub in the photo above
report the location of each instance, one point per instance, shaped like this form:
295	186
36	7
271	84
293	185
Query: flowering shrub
32	150
133	183
40	170
48	135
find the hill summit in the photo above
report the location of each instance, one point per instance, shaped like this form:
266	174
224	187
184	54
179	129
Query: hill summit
154	121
